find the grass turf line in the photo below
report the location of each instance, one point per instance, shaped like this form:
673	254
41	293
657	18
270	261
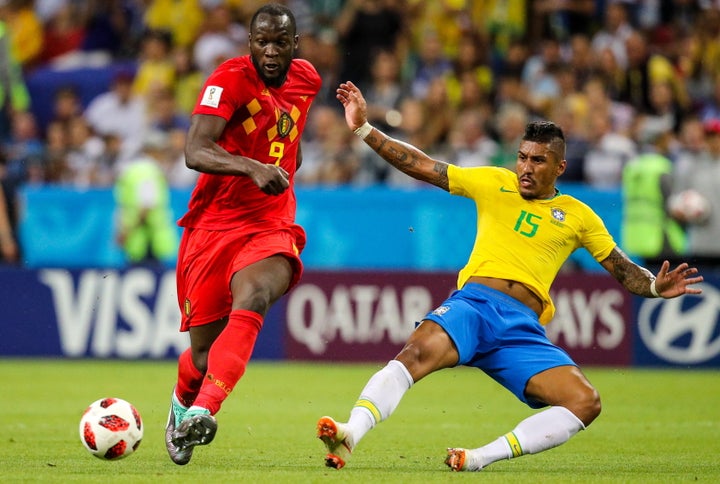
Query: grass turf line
657	425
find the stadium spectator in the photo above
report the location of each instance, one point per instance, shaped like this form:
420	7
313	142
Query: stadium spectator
709	108
691	144
220	38
324	13
25	30
118	112
702	47
568	89
64	33
472	94
597	97
429	64
494	320
146	230
471	64
24	152
112	29
648	229
561	20
504	25
449	20
181	18
363	27
321	50
539	74
163	112
240	247
608	153
701	175
609	73
385	90
418	123
414	118
438	115
14	94
470	143
85	157
155	67
573	117
645	68
46	9
188	79
323	143
615	30
509	126
581	59
178	175
66	105
665	114
23	160
509	88
57	145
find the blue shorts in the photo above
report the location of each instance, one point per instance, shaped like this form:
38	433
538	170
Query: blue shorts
499	335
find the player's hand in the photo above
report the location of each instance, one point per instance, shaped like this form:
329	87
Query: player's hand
354	103
677	281
271	179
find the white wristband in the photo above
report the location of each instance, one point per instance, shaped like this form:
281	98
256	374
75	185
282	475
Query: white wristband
653	291
364	130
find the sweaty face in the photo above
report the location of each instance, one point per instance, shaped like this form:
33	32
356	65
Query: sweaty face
272	47
537	169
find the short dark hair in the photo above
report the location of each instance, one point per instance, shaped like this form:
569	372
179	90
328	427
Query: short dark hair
275	10
546	132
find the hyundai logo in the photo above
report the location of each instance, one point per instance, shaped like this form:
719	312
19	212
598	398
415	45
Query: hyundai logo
683	330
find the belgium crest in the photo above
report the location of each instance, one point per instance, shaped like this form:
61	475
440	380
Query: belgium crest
285	124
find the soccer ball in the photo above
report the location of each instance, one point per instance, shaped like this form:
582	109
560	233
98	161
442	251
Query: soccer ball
689	206
111	428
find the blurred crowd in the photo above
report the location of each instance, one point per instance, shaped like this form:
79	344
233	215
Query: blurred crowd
458	78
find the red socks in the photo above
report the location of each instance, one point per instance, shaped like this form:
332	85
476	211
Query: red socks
189	379
228	358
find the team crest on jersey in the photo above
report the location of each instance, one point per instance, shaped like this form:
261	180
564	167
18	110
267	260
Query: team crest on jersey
285	124
558	214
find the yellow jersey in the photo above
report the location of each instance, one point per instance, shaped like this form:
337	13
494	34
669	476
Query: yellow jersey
525	240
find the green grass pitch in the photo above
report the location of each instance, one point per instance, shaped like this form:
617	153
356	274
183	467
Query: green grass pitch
656	426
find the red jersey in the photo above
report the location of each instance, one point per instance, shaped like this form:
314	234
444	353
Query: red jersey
263	123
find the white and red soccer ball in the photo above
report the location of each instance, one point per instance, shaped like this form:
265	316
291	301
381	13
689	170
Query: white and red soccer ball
111	428
689	206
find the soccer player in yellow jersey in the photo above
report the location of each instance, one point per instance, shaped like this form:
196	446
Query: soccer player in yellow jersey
494	321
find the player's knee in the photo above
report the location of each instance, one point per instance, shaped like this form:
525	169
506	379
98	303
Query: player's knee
254	298
421	359
199	359
587	405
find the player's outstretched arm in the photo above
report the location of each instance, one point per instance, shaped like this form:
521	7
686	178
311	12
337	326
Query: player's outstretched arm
399	154
638	280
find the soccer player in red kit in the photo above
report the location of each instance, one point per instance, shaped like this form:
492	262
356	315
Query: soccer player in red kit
240	247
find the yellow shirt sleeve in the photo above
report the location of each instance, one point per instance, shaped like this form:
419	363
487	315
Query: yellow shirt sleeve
525	240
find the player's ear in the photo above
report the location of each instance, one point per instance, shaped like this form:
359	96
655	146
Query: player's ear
561	166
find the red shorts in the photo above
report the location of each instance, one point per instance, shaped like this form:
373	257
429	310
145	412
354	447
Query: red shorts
207	260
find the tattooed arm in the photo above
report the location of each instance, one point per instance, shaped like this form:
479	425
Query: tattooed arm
403	156
638	280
